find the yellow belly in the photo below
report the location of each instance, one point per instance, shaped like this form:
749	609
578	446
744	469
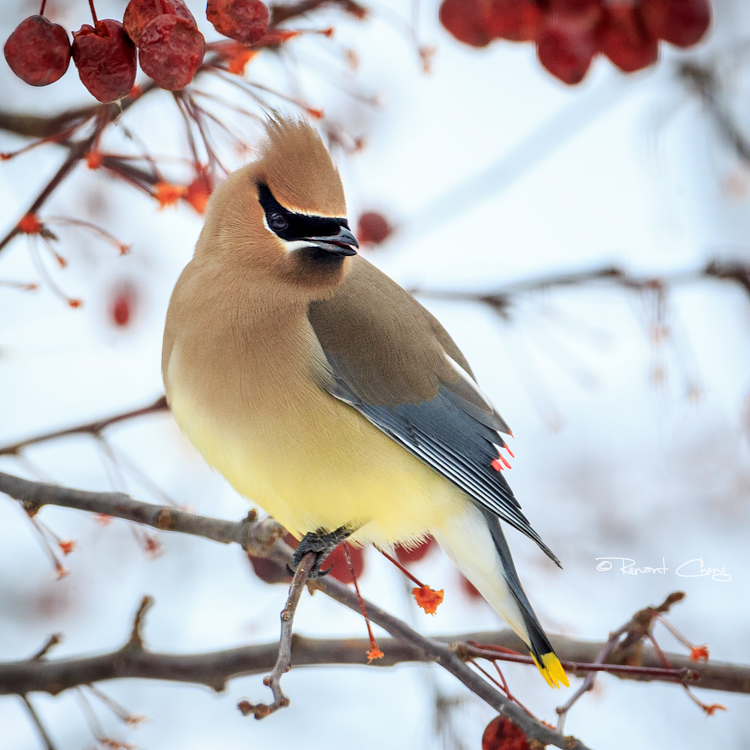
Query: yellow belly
321	465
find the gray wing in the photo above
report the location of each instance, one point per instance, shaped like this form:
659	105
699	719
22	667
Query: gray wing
401	370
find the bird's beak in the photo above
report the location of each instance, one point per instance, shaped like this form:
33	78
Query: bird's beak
343	243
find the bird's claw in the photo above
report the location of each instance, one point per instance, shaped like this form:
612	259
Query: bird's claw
321	545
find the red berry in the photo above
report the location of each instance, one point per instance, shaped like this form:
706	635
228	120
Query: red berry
270	571
243	20
566	53
38	51
170	51
105	58
373	228
516	20
679	22
140	13
407	555
623	38
341	571
122	304
575	16
503	734
573	8
466	20
469	588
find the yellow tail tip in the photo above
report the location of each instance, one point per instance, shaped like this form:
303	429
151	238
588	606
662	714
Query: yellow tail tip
552	670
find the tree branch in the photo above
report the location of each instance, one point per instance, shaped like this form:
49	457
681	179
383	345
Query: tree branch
90	428
500	299
255	537
214	669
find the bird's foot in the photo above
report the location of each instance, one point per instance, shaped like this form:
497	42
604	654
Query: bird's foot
321	545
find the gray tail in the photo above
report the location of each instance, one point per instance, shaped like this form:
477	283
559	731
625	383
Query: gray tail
539	642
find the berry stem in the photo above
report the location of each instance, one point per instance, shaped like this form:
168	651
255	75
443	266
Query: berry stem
93	12
375	652
41	10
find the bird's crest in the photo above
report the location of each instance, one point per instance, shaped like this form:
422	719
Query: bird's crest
298	169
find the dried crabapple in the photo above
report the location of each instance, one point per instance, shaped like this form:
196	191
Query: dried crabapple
574	10
170	51
566	53
515	20
406	555
105	58
139	13
38	51
503	734
243	20
373	228
466	20
123	303
340	567
679	22
623	38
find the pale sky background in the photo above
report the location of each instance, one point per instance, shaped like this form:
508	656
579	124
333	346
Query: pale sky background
496	173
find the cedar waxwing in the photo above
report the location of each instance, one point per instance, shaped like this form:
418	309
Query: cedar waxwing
326	393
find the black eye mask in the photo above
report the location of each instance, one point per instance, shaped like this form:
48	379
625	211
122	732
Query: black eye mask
291	226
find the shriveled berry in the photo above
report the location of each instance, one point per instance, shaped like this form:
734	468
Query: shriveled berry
575	16
466	20
679	22
565	53
123	303
140	13
340	567
105	58
243	20
622	36
407	555
469	588
573	8
38	51
171	51
373	228
269	570
503	734
516	20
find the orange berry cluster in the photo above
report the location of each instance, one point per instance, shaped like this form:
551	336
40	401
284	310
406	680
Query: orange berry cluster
569	33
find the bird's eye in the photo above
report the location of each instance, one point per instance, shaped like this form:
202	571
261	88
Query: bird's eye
277	222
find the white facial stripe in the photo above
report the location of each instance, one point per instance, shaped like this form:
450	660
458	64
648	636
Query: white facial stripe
291	245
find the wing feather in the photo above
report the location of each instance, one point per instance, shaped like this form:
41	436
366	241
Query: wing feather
411	381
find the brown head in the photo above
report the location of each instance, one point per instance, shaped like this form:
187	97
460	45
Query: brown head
282	218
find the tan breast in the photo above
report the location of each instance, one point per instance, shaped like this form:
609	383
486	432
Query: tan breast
246	397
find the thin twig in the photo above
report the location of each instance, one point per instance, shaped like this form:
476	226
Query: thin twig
90	428
500	299
48	744
284	659
588	682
